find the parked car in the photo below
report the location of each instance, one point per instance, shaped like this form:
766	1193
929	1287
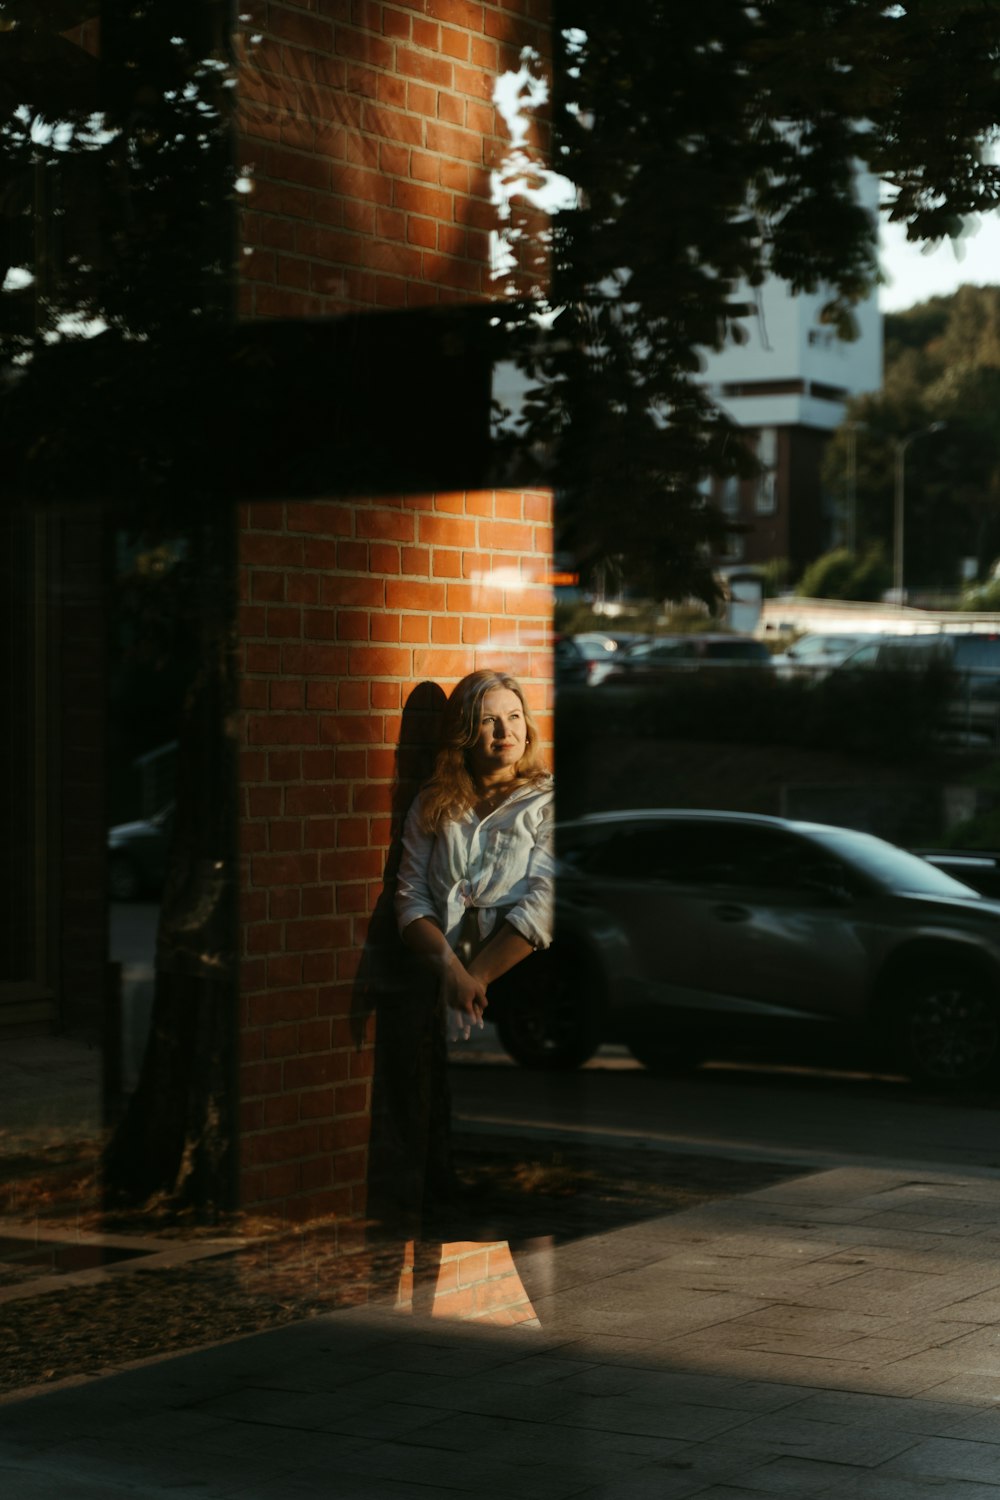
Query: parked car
979	868
973	657
689	935
137	856
647	660
584	659
815	655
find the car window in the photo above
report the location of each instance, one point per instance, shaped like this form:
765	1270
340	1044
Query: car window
820	645
738	650
886	865
690	852
976	651
679	852
865	656
915	651
643	852
710	853
767	859
669	651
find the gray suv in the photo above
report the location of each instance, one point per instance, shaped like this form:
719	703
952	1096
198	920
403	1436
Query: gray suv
690	935
972	657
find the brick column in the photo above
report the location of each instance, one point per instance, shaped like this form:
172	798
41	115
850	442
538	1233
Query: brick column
368	135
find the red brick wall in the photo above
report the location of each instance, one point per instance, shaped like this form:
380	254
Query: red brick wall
347	608
369	135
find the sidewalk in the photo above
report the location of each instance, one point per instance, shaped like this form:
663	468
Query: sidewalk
837	1335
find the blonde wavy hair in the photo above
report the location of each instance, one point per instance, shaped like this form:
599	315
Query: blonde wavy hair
452	790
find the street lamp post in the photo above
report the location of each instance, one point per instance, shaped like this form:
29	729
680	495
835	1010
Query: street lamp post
851	516
899	508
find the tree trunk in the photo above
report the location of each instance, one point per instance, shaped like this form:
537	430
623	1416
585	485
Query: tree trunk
176	1142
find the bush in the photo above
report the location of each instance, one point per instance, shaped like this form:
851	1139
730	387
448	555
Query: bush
841	574
889	715
829	577
985	596
775	576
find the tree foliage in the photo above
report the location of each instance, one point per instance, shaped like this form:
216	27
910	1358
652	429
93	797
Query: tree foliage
711	145
842	574
942	364
706	145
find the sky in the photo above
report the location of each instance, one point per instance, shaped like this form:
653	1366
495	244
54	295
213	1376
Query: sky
913	275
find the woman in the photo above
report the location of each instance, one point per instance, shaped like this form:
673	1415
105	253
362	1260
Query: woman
473	902
474	892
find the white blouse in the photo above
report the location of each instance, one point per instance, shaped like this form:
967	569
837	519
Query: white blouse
502	865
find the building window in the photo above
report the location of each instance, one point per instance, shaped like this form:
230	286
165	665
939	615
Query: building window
766	498
729	495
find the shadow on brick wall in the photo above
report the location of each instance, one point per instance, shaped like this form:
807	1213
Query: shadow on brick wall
410	1149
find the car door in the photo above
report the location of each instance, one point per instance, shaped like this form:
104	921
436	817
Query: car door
977	673
782	924
635	872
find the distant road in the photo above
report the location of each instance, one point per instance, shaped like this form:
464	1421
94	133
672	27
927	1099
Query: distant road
807	1118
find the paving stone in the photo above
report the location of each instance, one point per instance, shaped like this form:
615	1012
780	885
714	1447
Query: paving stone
613	1349
140	1473
286	1409
981	1426
954	1223
440	1358
907	1293
321	1373
654	1418
936	1333
984	1307
801	1318
740	1335
687	1388
962	1359
949	1250
746	1489
833	1185
760	1395
950	1458
45	1482
889	1352
348	1487
971	1388
898	1487
685	1473
931	1198
540	1369
484	1395
978	1189
925	1418
634	1315
436	1471
897	1379
861	1445
761	1275
798	1477
591	1455
900	1253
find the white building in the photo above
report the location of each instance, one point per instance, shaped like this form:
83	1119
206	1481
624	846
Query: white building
788	384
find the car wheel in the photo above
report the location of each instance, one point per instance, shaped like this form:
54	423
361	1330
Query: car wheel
123	881
663	1057
557	1027
946	1027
